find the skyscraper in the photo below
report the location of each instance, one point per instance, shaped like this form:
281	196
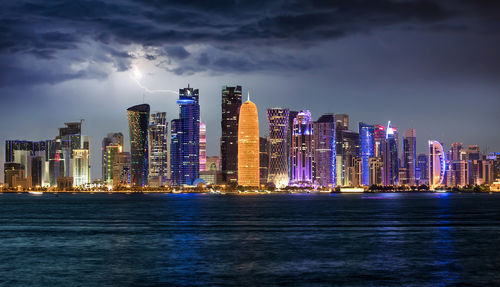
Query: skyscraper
30	154
248	145
410	155
175	158
473	155
278	119
437	164
367	150
203	146
390	157
457	165
138	121
263	159
422	169
302	151
325	151
158	149
188	137
231	103
349	150
111	145
291	117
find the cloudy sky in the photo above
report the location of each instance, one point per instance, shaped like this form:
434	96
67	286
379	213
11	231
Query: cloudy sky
430	65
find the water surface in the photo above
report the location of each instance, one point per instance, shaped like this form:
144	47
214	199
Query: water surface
296	239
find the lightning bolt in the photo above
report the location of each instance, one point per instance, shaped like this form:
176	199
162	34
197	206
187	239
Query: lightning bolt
136	74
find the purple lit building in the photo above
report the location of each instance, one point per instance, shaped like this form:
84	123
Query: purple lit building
302	150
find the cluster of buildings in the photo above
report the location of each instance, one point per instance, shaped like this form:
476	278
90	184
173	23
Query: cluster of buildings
298	152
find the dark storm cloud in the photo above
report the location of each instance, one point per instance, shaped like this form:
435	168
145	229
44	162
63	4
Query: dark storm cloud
238	34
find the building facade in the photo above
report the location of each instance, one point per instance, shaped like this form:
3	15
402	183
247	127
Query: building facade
367	150
158	149
302	150
390	157
437	164
138	122
325	151
248	145
410	156
278	119
231	103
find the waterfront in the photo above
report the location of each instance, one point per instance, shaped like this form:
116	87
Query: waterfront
276	239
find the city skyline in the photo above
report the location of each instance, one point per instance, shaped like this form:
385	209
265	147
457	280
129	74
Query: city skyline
429	66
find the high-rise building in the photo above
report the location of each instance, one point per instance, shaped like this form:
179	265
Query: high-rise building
473	156
158	149
341	122
138	122
302	151
410	155
437	164
203	146
457	165
291	117
187	138
367	150
231	103
248	145
325	151
376	167
121	169
30	154
111	145
349	149
68	157
379	138
263	159
278	119
175	157
390	157
422	169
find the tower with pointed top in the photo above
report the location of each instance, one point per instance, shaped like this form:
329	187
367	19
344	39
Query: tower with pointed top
248	144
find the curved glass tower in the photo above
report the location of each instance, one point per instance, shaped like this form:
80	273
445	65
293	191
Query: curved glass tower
277	119
138	122
248	145
437	164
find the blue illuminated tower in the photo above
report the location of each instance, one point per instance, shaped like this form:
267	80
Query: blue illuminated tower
188	137
367	150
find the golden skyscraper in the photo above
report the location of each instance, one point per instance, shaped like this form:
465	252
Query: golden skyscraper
248	144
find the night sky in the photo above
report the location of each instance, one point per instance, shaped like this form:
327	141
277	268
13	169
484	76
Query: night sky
430	65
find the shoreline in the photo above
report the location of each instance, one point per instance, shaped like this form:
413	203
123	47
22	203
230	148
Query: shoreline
34	192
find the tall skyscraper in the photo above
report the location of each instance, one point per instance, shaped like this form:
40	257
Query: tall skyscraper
422	169
458	165
302	152
188	137
379	138
158	149
175	157
341	122
367	150
390	157
278	119
473	156
111	145
138	122
291	117
410	155
121	169
203	146
349	150
231	103
437	164
325	151
248	145
263	159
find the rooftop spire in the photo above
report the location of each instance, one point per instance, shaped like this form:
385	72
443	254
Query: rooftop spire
248	99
